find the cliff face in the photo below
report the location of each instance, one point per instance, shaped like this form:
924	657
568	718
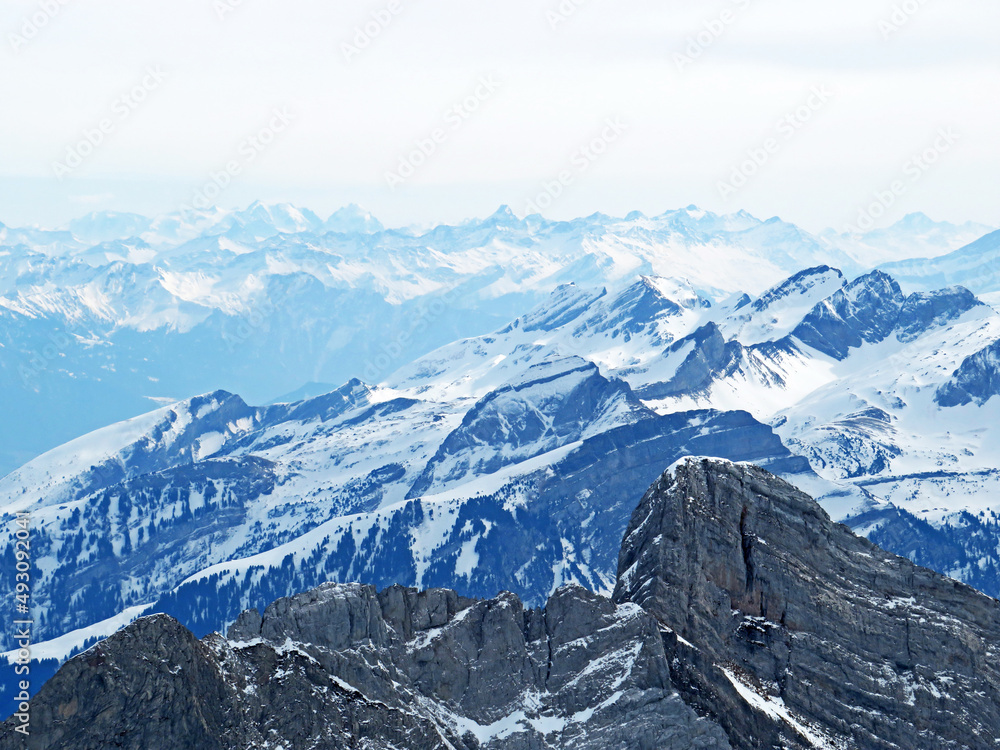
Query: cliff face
866	648
743	618
344	666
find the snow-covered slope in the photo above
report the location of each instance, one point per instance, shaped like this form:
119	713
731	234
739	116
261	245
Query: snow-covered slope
501	460
976	266
106	226
890	393
862	379
125	311
916	235
519	476
352	220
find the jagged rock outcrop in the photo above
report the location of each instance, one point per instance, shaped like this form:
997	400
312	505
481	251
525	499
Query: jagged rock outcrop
837	318
872	307
798	285
556	403
922	311
344	666
866	310
743	618
711	357
976	380
851	642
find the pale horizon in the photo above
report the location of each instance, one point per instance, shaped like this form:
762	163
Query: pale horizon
514	93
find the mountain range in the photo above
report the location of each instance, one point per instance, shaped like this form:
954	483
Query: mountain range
472	408
742	618
122	312
506	461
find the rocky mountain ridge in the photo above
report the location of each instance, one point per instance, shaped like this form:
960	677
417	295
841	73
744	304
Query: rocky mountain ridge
122	311
501	461
743	618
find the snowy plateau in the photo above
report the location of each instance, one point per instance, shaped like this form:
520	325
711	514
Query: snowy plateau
475	407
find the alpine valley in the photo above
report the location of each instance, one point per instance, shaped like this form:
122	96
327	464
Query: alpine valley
477	409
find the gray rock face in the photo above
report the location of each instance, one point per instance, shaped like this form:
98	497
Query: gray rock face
711	358
873	307
557	403
344	666
866	310
152	685
977	379
743	618
855	644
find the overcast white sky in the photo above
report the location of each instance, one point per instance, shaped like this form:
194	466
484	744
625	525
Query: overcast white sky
687	129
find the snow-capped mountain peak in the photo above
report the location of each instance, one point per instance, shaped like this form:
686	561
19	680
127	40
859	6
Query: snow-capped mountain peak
189	431
352	219
103	226
779	310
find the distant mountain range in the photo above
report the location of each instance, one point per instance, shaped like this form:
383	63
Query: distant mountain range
474	407
976	266
505	461
120	311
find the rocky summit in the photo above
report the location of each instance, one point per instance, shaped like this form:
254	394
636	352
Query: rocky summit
778	613
343	666
742	618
